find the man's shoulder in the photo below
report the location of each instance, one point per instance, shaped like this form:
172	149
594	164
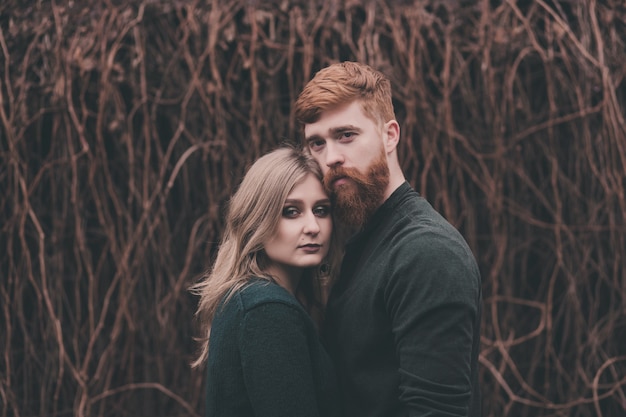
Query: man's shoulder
419	231
415	217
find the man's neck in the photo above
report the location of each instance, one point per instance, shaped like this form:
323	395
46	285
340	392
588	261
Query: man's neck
395	181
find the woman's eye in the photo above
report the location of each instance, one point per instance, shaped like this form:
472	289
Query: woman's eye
321	211
290	212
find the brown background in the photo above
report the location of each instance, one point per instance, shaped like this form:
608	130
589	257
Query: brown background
125	125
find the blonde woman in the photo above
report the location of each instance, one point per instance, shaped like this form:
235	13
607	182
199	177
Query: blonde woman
259	343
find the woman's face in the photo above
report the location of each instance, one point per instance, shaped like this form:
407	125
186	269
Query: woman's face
304	231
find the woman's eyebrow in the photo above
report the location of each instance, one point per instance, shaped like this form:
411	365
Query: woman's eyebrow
293	201
323	201
298	201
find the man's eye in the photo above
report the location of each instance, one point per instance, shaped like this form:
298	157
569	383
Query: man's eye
290	212
316	144
321	211
346	136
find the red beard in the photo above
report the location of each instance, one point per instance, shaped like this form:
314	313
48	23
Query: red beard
356	200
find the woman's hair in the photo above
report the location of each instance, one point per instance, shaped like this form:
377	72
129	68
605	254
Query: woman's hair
343	83
254	212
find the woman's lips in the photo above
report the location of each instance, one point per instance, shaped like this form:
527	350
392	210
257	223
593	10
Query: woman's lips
311	248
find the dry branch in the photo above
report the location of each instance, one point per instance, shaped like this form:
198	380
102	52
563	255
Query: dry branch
125	126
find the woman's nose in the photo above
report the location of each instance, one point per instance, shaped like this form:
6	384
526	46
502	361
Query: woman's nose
311	226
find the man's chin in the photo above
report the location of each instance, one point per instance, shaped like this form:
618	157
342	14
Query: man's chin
345	185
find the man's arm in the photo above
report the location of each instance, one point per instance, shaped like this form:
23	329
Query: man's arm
433	299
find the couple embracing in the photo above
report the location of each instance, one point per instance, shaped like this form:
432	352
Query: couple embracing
398	332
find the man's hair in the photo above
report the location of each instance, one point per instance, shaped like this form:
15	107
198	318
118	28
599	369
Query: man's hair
343	83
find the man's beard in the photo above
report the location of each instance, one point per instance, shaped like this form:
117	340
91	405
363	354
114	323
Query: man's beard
357	199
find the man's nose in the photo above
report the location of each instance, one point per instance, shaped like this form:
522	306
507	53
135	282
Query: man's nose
334	156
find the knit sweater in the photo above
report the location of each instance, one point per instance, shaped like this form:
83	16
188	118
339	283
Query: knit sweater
403	320
265	358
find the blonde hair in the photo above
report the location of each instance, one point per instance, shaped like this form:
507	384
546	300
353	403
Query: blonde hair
343	83
254	212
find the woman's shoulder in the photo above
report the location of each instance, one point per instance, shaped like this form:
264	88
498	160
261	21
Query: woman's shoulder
261	291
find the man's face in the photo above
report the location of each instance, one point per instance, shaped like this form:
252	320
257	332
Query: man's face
349	148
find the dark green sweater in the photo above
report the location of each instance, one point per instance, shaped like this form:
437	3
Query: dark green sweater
403	321
265	358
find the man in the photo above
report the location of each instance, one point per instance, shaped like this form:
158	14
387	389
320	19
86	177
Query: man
403	319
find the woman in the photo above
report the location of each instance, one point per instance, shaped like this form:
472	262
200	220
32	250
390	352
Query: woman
260	344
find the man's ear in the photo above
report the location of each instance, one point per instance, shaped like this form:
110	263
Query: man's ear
391	131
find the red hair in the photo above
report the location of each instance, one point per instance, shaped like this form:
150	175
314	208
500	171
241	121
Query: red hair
343	83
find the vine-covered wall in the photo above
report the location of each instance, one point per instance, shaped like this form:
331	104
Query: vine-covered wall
126	125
